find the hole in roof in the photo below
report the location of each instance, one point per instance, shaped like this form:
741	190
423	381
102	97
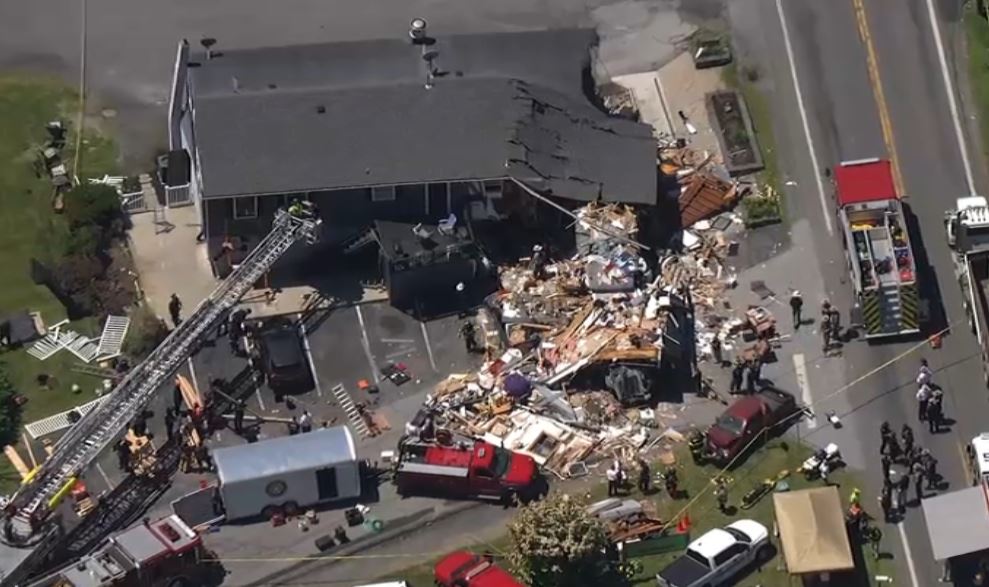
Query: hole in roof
272	86
320	109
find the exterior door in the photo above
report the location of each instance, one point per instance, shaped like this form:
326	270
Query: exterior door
326	484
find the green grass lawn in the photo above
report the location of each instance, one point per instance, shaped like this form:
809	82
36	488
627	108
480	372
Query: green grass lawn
977	29
30	229
776	456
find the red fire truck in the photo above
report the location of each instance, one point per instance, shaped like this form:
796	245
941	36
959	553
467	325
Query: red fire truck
466	569
163	553
464	470
880	256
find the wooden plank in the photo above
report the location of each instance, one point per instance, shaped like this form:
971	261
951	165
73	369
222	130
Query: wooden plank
15	459
30	451
189	392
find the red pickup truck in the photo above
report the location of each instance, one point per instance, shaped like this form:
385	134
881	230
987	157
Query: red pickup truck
478	470
466	569
767	410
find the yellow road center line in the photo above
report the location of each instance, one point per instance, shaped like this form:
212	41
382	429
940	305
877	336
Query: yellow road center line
872	63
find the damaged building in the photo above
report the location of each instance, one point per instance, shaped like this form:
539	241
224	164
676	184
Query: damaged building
455	129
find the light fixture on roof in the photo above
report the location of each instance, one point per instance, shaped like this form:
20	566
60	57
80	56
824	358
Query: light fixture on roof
417	29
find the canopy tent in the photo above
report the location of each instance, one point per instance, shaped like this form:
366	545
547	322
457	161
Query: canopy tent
812	531
957	522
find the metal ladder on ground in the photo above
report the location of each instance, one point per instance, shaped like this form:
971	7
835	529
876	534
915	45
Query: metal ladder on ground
347	404
80	446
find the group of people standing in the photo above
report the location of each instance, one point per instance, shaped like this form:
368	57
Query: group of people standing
830	324
916	465
745	375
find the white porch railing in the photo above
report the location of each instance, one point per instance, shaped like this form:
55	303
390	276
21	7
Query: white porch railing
177	196
135	203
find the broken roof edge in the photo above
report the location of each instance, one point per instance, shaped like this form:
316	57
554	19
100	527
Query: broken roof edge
310	190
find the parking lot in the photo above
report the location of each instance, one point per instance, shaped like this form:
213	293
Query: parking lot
346	346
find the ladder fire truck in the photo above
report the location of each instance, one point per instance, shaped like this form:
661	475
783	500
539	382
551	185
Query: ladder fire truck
26	524
880	257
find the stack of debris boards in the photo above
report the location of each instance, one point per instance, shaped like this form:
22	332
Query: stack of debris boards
86	349
706	189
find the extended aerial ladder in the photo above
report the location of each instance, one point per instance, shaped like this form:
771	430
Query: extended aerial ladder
30	506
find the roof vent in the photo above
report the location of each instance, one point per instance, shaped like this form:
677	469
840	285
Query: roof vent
417	30
320	109
207	44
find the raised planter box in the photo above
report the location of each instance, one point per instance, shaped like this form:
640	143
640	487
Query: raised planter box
761	211
731	121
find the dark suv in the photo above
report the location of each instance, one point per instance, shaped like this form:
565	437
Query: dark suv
283	357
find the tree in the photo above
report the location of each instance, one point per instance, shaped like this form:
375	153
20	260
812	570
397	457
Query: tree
10	411
556	542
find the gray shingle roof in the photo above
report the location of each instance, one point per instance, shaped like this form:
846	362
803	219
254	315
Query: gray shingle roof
340	115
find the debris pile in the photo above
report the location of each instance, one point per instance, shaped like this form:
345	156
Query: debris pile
574	348
584	341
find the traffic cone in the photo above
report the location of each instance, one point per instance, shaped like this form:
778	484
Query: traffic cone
683	524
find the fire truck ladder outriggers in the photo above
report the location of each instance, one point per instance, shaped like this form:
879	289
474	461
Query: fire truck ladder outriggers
80	446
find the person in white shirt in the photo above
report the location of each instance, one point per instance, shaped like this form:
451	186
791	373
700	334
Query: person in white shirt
924	393
612	481
925	375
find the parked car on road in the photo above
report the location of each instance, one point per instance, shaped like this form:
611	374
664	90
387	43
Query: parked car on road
283	357
716	557
466	569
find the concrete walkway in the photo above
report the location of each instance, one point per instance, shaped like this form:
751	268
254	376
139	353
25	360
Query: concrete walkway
169	260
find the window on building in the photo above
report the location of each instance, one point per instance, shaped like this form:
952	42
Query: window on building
383	194
246	207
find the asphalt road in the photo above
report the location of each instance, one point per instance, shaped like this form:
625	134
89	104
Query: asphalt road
130	44
843	119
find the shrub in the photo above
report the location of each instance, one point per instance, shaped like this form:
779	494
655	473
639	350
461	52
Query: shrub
10	411
146	332
93	205
95	218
